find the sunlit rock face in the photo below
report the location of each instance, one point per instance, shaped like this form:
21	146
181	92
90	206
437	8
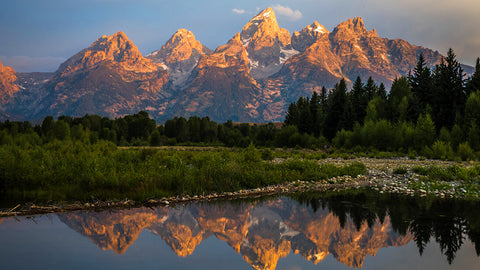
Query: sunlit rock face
221	87
8	86
110	78
309	34
180	55
261	234
268	45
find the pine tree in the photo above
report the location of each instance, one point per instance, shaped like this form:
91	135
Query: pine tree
449	96
473	83
316	114
336	106
472	110
305	116
347	120
382	92
291	118
359	101
323	99
421	83
371	88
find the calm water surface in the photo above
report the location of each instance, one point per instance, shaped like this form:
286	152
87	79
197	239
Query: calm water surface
305	231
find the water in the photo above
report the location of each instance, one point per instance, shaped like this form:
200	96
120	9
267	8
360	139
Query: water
305	231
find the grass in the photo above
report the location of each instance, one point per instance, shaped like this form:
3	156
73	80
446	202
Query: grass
68	171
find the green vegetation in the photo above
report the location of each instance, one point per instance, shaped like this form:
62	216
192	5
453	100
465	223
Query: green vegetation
75	170
450	173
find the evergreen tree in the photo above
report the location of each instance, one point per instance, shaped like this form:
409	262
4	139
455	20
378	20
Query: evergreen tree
473	83
292	115
336	107
382	92
323	99
316	113
359	100
299	114
371	88
305	116
472	109
449	97
421	83
347	120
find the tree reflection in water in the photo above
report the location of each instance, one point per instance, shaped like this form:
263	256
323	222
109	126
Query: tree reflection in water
448	221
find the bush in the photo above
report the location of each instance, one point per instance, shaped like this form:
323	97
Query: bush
400	170
267	154
441	150
465	152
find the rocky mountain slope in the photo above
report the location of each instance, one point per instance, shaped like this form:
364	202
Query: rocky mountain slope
180	55
109	78
8	85
252	78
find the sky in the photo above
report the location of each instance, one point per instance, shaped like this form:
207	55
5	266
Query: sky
39	35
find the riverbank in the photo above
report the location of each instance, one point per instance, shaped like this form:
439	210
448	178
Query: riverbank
397	175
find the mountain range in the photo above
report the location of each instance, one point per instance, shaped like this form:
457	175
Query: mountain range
252	78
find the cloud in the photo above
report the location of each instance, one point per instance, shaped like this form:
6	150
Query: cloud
238	11
288	12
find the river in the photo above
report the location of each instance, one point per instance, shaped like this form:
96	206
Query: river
303	231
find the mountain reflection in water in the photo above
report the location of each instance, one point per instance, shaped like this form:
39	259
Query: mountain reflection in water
349	227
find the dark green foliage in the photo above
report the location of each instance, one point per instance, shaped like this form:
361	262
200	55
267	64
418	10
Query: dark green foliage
421	82
398	98
359	101
473	84
371	88
400	170
449	93
336	107
424	131
472	109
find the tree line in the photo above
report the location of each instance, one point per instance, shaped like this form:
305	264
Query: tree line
434	112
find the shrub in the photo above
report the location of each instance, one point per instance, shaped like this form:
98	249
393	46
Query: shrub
400	170
465	152
441	150
267	154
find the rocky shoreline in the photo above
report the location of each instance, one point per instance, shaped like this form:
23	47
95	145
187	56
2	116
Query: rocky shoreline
379	177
